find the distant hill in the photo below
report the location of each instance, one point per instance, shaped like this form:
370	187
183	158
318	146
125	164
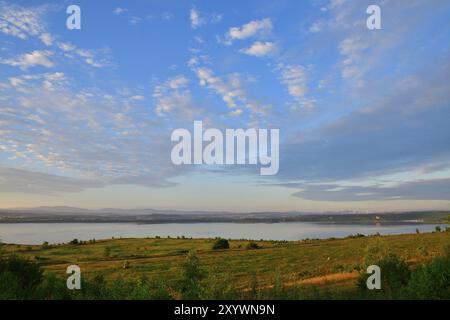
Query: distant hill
111	215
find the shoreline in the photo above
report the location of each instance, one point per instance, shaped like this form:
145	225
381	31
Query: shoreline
361	234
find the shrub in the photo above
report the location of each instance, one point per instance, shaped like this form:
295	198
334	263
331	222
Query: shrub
221	244
19	278
358	235
395	274
192	274
52	288
431	281
252	245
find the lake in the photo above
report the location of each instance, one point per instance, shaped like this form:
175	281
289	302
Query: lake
37	233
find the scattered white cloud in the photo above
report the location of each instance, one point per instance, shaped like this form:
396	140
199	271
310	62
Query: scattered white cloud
53	80
353	63
250	29
119	11
177	82
232	91
135	20
199	18
90	57
88	134
24	22
28	60
236	113
174	97
47	39
66	46
294	77
259	49
137	98
196	20
48	81
192	62
21	22
317	26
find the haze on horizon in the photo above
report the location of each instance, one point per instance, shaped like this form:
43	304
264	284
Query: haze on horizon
86	115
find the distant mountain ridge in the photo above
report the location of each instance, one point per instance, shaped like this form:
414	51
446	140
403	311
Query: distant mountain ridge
111	215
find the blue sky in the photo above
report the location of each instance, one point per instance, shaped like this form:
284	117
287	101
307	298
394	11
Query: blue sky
86	115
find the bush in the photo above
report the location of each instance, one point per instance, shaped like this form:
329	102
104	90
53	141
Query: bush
358	235
191	277
221	244
252	245
431	281
19	278
395	274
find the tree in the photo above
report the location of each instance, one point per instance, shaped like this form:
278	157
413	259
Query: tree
221	244
437	229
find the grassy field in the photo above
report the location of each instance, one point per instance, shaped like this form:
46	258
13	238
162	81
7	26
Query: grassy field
332	262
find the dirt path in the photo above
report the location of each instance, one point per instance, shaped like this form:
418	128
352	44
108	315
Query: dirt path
327	279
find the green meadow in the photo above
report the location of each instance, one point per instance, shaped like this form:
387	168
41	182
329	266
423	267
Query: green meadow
244	270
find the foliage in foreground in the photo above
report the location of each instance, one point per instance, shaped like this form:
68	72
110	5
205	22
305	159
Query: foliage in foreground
23	279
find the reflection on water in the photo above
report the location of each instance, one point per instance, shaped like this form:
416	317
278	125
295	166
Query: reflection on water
36	233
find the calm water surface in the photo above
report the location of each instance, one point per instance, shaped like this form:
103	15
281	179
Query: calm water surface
36	233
